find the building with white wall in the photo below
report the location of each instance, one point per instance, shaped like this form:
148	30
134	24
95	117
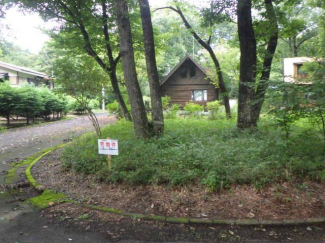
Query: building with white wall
292	71
18	76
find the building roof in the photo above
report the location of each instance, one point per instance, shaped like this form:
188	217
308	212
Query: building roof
23	70
187	57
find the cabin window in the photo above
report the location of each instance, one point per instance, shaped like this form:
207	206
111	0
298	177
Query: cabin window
4	77
299	71
199	95
183	72
192	71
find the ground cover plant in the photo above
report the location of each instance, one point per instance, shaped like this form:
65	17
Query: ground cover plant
207	152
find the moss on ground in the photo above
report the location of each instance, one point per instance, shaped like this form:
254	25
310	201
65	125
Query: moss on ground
48	198
12	173
4	194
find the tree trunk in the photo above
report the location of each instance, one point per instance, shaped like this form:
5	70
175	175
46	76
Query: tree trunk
139	115
153	77
112	70
248	61
8	119
221	83
118	96
290	47
268	58
295	47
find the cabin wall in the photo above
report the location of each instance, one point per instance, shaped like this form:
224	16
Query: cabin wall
17	79
179	88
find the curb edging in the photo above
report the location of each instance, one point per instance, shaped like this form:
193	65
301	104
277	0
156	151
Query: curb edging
175	220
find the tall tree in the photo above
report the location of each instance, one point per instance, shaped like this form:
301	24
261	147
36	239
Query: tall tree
298	25
152	71
139	115
206	45
83	16
248	62
251	88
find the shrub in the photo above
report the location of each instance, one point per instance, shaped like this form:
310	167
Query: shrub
9	99
202	151
213	108
93	104
165	102
114	109
193	109
172	112
30	102
2	129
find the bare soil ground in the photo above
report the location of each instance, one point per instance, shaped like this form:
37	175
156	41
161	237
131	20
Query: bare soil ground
116	228
281	201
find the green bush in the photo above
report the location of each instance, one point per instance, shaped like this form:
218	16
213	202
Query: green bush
213	108
203	151
114	109
9	100
2	129
172	112
165	102
193	109
93	104
30	102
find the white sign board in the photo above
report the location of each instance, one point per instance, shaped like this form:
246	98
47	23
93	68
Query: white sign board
108	146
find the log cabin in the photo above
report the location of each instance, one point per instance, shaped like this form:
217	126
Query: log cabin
188	81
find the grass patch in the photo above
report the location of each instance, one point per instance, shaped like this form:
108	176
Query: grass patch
211	153
3	129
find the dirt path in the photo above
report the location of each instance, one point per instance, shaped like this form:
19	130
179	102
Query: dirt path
19	222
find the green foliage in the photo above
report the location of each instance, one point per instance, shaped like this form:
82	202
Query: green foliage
285	104
315	108
285	117
115	109
213	108
93	104
11	53
165	102
51	102
172	112
2	129
202	151
193	109
29	102
175	107
9	99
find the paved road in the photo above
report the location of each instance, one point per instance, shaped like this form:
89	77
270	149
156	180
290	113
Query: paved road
19	222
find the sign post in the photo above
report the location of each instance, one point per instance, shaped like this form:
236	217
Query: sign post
108	146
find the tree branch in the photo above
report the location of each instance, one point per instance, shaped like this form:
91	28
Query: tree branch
106	35
170	7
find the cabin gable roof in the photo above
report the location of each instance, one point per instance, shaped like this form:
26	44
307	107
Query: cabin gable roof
187	57
11	67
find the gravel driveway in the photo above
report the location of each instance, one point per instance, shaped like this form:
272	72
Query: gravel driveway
19	222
